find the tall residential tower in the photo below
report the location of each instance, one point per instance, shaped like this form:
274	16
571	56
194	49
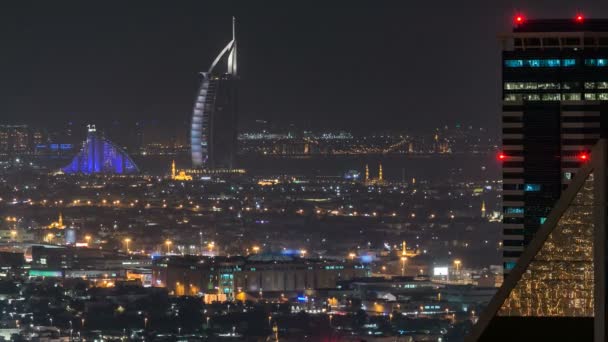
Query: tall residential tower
555	107
213	134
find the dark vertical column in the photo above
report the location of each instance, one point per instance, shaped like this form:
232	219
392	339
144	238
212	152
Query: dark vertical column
600	160
542	150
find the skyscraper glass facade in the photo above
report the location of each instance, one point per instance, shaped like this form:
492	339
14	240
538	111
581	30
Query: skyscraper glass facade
554	90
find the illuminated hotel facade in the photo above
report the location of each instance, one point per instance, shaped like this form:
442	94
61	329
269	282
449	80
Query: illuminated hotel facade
213	132
100	156
555	107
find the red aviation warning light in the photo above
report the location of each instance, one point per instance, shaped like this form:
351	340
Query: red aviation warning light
583	157
519	19
579	18
501	156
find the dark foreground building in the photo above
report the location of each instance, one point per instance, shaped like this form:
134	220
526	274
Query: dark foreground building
213	133
555	93
257	274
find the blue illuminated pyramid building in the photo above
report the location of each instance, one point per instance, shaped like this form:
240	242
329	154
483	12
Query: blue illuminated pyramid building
100	156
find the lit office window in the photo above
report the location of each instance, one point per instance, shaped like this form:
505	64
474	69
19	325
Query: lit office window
514	210
540	63
512	97
602	85
551	85
531	97
514	63
596	62
602	96
590	97
570	85
589	85
571	97
551	97
569	62
514	85
532	187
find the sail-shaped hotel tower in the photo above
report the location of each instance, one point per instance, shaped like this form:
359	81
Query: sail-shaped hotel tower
213	134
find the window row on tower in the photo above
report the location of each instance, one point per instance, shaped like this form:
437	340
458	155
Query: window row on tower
554	62
553	85
515	97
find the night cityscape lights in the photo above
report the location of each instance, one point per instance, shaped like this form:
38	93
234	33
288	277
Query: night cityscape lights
323	196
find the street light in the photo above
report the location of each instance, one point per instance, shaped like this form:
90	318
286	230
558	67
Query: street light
403	260
168	243
457	263
127	240
87	238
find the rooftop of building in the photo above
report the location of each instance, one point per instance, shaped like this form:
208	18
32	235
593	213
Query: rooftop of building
575	24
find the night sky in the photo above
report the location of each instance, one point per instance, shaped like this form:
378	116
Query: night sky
342	64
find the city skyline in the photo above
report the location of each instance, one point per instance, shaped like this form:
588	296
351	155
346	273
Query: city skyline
373	172
320	68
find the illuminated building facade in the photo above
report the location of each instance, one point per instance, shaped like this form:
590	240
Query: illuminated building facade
57	224
15	139
213	133
374	181
189	275
99	155
179	175
555	93
557	289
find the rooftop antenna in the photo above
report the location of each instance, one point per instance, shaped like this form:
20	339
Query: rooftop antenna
232	56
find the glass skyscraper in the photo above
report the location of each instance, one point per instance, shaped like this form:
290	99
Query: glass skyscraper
555	156
555	107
